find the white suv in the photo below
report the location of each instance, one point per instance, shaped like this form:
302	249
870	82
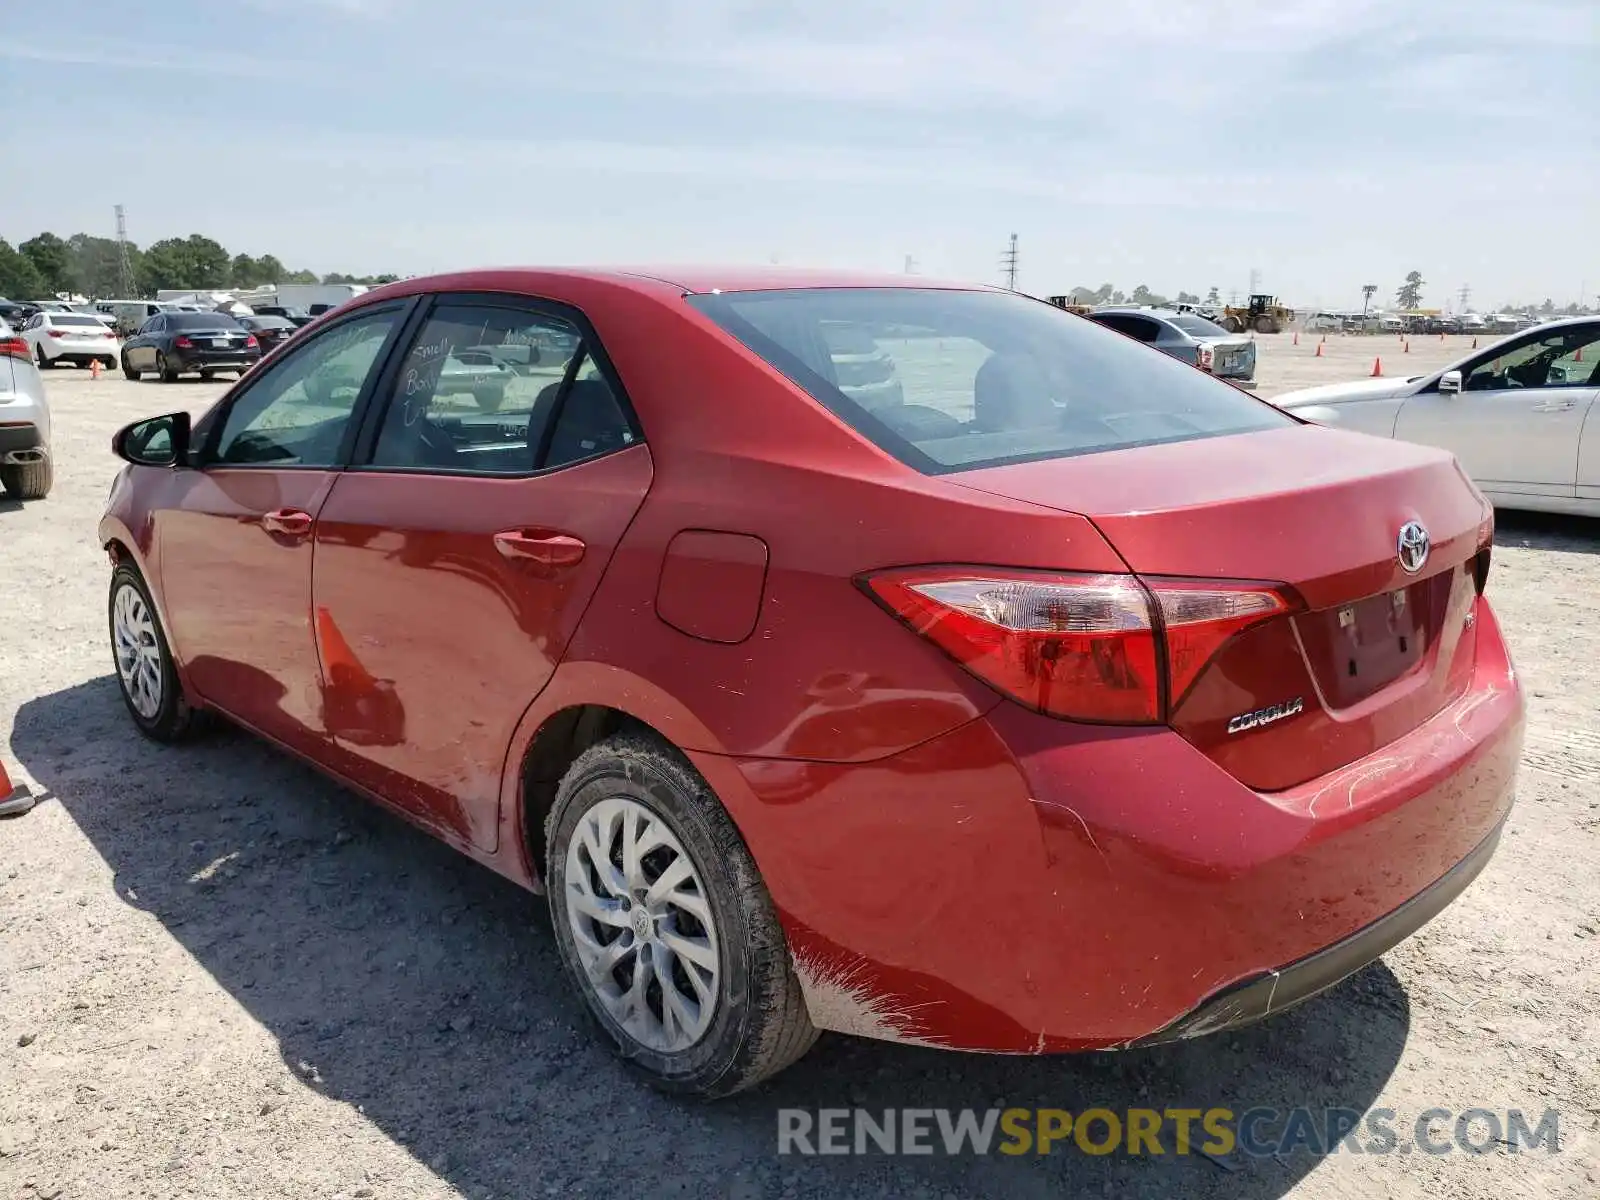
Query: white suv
25	465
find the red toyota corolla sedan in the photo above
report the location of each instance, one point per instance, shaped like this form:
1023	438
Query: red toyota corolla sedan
915	661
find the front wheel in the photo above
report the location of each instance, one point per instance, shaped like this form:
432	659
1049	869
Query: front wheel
664	925
145	671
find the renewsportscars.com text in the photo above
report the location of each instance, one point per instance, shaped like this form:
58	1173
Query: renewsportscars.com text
1216	1132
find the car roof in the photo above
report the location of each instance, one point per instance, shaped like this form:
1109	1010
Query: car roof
688	279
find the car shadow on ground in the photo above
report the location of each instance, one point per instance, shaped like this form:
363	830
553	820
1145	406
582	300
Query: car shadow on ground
398	976
1546	531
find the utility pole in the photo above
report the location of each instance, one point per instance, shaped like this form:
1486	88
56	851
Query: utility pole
911	265
1466	296
1255	281
1008	264
124	266
1367	290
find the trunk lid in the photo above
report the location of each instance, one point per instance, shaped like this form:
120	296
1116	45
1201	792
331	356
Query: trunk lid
1375	651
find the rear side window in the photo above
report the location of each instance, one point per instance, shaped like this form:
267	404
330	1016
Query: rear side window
498	389
955	380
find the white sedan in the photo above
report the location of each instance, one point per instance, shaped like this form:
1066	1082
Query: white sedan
1520	415
57	337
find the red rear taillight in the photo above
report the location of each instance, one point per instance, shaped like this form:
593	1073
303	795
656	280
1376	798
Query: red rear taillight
14	347
1204	357
250	340
56	332
1082	647
108	334
182	342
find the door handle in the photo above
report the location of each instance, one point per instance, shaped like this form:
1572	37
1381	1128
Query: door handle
291	521
1554	406
543	546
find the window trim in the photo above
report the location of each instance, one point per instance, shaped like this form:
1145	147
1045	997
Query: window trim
589	346
216	421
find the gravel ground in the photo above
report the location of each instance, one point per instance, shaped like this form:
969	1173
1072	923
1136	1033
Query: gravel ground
222	976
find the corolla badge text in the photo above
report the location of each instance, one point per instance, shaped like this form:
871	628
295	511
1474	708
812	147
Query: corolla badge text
1266	716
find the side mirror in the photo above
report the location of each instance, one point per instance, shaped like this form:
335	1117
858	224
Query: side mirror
1449	383
154	442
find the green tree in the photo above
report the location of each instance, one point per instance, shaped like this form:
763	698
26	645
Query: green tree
208	263
1410	293
244	271
167	265
1117	297
269	269
1104	292
299	277
19	278
49	257
95	269
1188	298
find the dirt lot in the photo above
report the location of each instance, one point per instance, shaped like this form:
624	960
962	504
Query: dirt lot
221	976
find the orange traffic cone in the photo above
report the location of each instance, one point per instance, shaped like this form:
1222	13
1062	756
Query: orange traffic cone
344	669
94	369
1474	343
1318	354
1324	337
1296	337
1407	345
1578	357
1377	367
14	801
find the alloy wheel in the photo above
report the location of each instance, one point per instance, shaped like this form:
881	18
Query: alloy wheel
641	925
138	651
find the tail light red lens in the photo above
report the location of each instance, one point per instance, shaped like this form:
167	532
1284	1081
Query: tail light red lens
56	332
182	342
1204	357
14	347
1081	647
109	334
250	340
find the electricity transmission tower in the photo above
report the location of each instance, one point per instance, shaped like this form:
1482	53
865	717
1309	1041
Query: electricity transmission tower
1466	295
1008	264
124	266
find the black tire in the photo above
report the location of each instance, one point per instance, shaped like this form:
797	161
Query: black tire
175	719
128	372
28	481
761	1024
207	376
108	363
1266	325
38	354
1232	324
168	374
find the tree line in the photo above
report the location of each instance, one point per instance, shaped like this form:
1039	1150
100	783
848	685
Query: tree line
86	265
1108	293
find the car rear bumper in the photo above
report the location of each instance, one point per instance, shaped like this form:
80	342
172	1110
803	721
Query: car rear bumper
80	351
18	437
220	360
1023	884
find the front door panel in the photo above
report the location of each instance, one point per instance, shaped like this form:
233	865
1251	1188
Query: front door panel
238	597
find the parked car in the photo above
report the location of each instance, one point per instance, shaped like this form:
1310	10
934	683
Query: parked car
298	316
1075	701
1516	414
1442	324
1472	323
269	330
129	315
26	468
1188	338
69	337
177	343
12	312
861	368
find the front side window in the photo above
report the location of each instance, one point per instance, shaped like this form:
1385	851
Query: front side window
1564	359
985	378
497	389
297	413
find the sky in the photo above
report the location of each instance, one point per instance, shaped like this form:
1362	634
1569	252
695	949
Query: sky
1322	143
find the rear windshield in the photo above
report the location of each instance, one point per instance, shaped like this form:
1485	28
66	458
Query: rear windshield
269	323
1198	327
63	319
184	320
953	380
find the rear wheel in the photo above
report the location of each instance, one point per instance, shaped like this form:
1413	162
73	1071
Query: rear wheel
207	376
145	671
28	481
169	374
488	399
664	925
